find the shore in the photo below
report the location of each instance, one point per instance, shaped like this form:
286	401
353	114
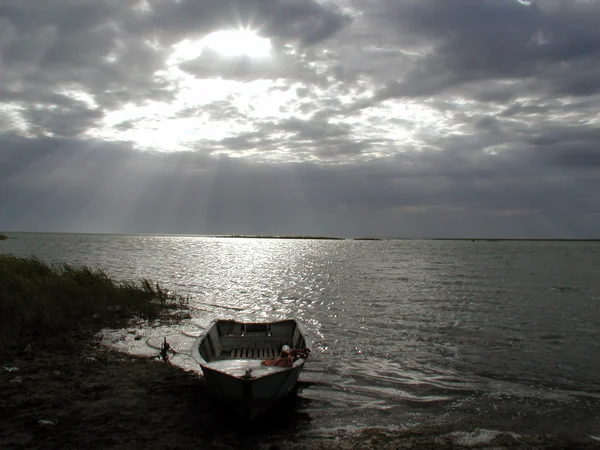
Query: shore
98	398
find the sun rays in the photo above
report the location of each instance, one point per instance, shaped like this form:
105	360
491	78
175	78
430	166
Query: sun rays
231	43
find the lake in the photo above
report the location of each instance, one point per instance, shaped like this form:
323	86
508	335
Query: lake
501	336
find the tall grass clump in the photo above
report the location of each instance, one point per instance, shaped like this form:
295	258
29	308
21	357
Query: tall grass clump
43	304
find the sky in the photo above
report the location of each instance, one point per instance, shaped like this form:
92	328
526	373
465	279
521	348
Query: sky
355	118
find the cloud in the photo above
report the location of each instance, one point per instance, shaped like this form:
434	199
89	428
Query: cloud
387	117
244	68
306	21
553	42
74	186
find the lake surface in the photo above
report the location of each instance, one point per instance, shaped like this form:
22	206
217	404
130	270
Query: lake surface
496	336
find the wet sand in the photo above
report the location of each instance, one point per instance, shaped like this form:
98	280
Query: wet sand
97	398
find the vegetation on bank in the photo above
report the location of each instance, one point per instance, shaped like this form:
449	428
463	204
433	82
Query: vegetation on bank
45	305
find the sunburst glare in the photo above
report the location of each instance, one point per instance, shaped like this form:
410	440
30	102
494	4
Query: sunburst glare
227	43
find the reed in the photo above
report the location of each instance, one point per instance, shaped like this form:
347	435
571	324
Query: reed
48	304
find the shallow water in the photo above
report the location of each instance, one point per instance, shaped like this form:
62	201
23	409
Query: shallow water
498	335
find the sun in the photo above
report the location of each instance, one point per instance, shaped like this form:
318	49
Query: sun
237	43
227	43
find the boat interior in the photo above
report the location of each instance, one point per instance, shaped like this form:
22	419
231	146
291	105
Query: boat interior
228	339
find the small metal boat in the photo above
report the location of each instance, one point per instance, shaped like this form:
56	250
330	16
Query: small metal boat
231	353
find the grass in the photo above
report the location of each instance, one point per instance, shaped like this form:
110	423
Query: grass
49	304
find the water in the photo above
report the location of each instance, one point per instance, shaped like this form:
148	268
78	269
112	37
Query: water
500	336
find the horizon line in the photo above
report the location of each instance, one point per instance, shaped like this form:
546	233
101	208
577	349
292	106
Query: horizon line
315	237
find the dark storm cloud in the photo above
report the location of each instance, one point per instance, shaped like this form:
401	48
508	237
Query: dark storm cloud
554	41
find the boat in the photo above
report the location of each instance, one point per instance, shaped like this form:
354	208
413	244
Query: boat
231	353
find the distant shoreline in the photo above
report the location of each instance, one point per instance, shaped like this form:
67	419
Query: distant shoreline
6	235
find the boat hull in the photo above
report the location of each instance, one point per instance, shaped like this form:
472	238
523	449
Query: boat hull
243	383
250	397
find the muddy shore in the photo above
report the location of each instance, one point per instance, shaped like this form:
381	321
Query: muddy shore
97	398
